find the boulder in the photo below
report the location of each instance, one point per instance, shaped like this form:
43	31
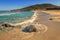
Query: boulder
50	19
7	25
29	28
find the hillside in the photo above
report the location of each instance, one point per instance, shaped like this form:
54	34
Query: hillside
38	6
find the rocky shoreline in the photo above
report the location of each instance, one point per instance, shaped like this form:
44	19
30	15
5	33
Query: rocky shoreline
34	21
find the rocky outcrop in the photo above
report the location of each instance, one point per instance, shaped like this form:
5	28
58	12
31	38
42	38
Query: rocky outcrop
29	28
5	25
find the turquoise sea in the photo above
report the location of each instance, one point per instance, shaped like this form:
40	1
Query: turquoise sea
15	17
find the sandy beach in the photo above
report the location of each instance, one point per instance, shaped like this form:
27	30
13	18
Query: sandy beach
52	12
46	29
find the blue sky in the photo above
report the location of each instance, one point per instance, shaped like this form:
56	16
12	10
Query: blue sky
14	4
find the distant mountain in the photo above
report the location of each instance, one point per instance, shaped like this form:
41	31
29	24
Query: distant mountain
38	6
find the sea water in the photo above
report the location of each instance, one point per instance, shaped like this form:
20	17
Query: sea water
15	17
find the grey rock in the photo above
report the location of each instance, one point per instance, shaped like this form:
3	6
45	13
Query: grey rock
29	28
7	25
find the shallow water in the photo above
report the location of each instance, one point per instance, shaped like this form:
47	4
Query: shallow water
15	17
53	32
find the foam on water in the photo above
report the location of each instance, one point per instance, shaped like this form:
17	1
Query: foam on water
6	14
15	17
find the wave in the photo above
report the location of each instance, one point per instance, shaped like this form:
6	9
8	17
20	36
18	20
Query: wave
6	14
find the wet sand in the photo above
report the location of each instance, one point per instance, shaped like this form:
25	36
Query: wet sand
56	19
53	32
